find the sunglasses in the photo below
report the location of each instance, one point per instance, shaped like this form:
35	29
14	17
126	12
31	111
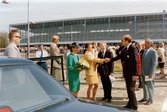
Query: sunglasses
18	37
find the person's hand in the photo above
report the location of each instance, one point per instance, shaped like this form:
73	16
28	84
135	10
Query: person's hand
134	78
112	74
79	69
106	60
98	74
149	76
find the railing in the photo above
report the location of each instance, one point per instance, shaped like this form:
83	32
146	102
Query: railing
51	58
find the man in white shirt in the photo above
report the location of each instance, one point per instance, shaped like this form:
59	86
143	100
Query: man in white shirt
42	53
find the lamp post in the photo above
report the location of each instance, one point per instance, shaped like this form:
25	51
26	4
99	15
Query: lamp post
148	29
5	2
28	29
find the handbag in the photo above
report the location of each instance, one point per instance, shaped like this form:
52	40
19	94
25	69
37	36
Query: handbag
159	59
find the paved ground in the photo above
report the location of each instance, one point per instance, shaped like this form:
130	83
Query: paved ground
120	96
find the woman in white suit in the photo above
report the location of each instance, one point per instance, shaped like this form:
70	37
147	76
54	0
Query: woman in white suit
91	73
161	55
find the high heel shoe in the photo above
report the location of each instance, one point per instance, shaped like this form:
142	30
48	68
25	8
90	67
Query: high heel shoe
162	77
94	99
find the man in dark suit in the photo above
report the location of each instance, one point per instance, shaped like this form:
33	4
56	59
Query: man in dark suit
104	70
128	58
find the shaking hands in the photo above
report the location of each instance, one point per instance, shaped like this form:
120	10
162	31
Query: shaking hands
106	60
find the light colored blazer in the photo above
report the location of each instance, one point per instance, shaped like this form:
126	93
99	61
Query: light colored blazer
89	57
12	51
149	62
54	51
161	53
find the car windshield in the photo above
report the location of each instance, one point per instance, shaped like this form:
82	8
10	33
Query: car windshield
27	86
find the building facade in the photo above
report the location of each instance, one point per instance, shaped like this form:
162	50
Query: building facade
108	29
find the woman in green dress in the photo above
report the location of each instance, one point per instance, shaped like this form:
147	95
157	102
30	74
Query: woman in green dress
73	71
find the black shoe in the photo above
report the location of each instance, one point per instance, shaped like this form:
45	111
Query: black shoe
142	100
126	106
109	101
129	107
148	103
140	87
133	108
103	99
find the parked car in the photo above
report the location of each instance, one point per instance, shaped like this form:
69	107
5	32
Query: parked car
25	87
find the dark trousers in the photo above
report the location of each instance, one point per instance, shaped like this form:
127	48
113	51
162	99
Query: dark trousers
43	65
131	94
140	82
107	86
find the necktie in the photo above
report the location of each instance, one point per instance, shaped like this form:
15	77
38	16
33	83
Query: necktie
41	53
145	53
103	54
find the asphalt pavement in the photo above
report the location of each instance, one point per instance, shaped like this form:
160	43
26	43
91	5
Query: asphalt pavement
119	93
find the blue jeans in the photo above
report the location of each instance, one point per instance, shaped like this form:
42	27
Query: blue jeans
43	65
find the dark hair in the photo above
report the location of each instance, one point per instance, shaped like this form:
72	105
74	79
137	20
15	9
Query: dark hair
87	45
75	44
69	46
40	45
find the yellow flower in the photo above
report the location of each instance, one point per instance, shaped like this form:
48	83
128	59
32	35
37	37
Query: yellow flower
83	64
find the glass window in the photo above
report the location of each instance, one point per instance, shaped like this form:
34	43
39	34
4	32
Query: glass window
25	86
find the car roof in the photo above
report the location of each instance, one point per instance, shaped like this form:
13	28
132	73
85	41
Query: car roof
6	61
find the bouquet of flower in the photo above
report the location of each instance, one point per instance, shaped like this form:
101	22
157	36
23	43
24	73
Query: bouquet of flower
83	64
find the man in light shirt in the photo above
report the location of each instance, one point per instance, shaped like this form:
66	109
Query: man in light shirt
149	63
42	53
12	50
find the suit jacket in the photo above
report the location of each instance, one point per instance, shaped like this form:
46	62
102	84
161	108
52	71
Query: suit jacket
149	62
89	57
54	51
12	51
141	53
106	68
129	61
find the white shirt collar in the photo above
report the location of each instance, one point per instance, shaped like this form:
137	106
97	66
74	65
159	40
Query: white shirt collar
128	46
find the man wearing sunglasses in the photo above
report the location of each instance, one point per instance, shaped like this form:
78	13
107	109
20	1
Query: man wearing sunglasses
12	50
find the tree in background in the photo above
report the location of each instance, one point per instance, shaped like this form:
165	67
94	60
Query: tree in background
3	39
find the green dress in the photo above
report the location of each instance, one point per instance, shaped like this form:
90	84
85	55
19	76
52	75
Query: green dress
73	73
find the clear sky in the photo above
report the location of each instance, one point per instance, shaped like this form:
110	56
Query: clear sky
42	10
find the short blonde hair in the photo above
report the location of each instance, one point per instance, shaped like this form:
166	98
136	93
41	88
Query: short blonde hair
54	37
128	38
161	44
148	40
